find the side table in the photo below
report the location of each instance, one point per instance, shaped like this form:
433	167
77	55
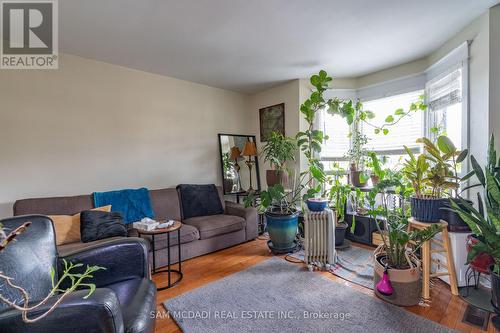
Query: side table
176	227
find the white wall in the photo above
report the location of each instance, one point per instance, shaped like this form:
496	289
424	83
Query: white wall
494	77
287	93
92	126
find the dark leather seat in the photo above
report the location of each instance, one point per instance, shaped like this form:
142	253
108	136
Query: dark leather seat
125	298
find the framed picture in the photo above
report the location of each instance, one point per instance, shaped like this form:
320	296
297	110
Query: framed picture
272	118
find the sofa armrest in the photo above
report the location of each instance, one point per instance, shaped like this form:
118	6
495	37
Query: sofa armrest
123	258
100	312
249	214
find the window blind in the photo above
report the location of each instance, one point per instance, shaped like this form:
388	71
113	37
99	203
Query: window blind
445	91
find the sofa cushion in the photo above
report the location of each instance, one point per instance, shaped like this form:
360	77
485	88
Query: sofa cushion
54	205
213	225
165	204
97	225
199	200
188	234
67	227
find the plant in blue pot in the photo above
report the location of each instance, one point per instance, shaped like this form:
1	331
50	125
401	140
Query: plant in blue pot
281	205
433	177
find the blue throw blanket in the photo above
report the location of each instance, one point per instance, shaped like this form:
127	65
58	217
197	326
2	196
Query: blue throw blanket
132	204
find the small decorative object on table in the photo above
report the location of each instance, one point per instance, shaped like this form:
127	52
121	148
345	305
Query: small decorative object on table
146	224
175	227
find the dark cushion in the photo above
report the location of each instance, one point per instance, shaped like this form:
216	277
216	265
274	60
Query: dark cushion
188	234
199	200
95	225
213	225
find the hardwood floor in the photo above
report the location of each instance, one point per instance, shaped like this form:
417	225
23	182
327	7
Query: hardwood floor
445	308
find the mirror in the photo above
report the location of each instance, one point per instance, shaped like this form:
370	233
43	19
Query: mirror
239	163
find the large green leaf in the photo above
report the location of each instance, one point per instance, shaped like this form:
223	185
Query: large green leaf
463	154
477	169
446	145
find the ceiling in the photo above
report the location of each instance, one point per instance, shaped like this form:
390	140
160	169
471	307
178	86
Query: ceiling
250	45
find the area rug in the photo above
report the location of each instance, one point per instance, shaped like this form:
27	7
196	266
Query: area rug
354	264
278	296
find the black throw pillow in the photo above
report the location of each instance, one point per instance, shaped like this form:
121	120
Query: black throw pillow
95	225
199	200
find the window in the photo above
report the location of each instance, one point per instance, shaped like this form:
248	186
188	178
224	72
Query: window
444	100
406	132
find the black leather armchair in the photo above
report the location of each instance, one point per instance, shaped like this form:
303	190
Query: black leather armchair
125	298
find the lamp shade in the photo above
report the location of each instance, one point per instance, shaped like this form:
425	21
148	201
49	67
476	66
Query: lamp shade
250	149
235	153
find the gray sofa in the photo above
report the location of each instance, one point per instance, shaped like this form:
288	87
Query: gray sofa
198	235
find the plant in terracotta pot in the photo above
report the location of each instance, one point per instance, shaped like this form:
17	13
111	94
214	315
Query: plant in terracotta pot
397	253
485	222
432	178
277	151
357	156
337	196
375	164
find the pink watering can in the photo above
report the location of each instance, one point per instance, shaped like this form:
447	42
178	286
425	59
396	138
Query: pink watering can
384	286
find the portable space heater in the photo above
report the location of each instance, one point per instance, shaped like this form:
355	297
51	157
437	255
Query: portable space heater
319	240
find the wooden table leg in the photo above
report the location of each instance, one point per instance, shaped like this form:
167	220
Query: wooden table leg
451	262
426	270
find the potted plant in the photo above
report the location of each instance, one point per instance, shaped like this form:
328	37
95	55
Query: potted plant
374	164
337	195
485	222
357	153
280	206
431	177
396	256
277	152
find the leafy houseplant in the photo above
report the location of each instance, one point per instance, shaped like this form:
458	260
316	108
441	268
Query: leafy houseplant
357	154
280	206
432	177
337	196
375	165
398	251
277	152
485	222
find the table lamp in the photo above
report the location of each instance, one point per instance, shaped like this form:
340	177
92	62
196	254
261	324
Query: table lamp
249	150
235	155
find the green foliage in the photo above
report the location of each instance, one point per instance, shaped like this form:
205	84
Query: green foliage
485	225
435	172
309	142
338	192
399	242
278	150
77	279
226	162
